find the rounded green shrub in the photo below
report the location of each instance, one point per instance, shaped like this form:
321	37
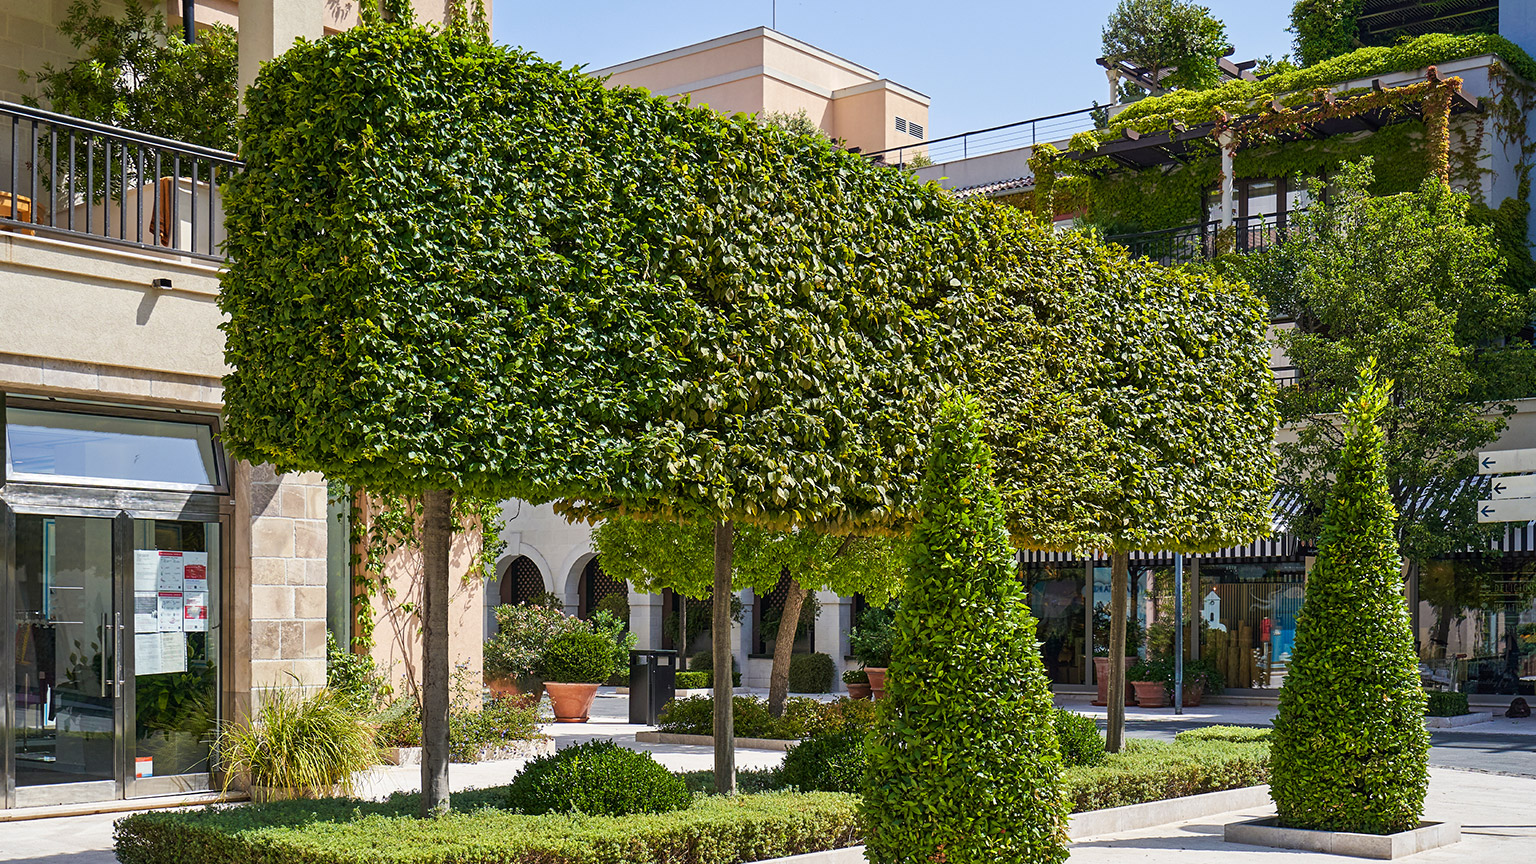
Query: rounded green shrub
598	778
1235	734
1081	743
1349	748
964	765
826	763
580	657
704	661
694	680
811	673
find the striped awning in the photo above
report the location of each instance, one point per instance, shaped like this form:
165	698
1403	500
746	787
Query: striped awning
1281	546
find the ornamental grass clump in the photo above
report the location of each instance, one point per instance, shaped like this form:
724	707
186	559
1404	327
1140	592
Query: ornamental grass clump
1350	751
964	764
298	746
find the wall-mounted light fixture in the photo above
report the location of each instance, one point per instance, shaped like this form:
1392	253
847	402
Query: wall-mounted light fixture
161	282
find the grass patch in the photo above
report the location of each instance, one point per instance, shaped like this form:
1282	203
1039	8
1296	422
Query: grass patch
341	831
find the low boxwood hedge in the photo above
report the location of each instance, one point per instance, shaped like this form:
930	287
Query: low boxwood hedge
1446	704
1239	734
695	680
1154	770
341	831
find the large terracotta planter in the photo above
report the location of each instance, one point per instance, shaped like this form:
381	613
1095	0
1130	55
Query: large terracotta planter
1151	694
1192	694
1101	675
506	685
571	702
876	680
859	691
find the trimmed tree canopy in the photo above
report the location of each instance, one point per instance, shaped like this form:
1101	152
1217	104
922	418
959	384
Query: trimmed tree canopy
455	265
1349	750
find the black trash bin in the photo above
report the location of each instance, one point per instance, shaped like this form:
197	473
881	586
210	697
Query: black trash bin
652	684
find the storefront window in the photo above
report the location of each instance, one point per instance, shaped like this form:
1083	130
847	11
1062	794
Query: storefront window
1056	600
1477	626
68	447
1248	620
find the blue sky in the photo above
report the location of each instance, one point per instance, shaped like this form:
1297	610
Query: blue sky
983	63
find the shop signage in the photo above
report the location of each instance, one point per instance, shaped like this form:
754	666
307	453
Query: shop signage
1514	496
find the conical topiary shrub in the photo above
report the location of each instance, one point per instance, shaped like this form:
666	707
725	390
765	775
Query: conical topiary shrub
964	765
1349	750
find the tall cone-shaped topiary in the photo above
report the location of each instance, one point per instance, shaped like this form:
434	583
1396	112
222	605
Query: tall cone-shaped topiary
1349	750
964	764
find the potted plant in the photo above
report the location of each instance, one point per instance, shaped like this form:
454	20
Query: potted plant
573	666
870	643
1201	677
1150	680
1133	637
858	683
297	747
512	655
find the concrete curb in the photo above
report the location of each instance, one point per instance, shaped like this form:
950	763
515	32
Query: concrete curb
1264	832
709	741
1458	721
1096	822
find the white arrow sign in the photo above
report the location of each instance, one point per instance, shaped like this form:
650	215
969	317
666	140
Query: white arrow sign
1519	510
1506	461
1508	488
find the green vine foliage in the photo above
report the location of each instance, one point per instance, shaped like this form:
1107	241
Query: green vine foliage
454	265
1325	29
1349	750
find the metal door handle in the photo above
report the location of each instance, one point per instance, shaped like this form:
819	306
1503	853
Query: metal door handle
105	627
117	652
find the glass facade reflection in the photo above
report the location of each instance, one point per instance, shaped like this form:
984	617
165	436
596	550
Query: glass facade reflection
1477	626
1056	600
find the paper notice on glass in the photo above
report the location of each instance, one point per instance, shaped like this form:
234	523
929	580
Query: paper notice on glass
196	612
169	614
146	608
194	571
170	574
146	570
146	654
173	652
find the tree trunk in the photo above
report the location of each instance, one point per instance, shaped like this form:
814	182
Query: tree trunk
1119	567
436	538
784	648
682	633
720	625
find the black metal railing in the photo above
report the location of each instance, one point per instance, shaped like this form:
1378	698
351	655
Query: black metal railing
982	142
1202	241
76	179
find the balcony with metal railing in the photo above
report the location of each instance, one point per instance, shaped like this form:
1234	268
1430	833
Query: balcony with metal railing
1202	241
89	182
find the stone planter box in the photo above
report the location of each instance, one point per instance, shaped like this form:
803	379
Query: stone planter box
400	755
1264	832
1462	720
709	741
530	749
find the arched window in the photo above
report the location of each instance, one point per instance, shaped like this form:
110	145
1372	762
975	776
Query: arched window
596	585
521	581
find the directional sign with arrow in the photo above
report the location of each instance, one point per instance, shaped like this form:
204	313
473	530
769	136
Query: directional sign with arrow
1514	497
1518	486
1506	461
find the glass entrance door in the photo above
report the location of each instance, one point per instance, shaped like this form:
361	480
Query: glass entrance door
65	740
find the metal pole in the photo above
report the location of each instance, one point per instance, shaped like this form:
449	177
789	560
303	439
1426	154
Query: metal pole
1178	633
189	20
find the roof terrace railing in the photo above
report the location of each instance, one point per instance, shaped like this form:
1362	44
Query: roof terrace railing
1010	136
1199	242
75	179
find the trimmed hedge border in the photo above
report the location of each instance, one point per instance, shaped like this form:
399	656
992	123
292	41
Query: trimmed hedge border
337	831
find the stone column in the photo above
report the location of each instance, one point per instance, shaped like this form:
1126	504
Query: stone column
270	27
741	635
1228	145
645	616
287	521
831	637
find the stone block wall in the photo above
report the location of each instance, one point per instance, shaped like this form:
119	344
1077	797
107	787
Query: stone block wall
288	578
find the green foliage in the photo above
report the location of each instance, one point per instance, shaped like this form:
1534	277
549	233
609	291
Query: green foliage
1237	734
1159	425
964	763
749	781
768	624
1079	739
620	640
855	676
1350	749
871	639
1408	282
811	673
1134	633
1443	703
704	661
136	73
694	680
493	274
734	831
1156	771
354	678
523	632
826	763
308	744
399	724
803	717
578	657
616	605
1324	28
598	778
498	722
1178	42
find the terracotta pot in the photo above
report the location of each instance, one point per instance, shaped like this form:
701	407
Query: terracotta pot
571	702
1151	694
1101	675
858	691
1193	694
876	681
506	685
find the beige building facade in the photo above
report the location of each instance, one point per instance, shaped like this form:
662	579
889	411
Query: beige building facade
763	71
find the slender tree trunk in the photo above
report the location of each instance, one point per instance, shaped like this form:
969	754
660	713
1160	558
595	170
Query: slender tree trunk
682	633
1119	567
725	723
436	538
784	648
